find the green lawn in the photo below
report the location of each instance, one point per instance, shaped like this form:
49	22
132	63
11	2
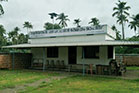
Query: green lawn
72	84
87	84
132	68
10	78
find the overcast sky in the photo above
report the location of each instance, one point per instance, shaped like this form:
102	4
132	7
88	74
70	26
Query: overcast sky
36	11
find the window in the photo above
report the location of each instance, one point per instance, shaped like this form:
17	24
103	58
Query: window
52	52
91	52
110	51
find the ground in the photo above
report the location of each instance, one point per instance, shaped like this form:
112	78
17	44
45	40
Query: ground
32	81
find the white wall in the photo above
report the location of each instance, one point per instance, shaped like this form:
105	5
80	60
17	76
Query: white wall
99	37
102	57
63	55
107	37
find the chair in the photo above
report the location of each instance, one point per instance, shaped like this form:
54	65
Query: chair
35	62
106	70
47	64
57	64
52	65
90	68
40	62
62	64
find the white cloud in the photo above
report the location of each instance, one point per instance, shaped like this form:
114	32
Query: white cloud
36	11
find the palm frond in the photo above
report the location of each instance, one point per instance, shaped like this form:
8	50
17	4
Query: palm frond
126	13
1	10
115	8
115	13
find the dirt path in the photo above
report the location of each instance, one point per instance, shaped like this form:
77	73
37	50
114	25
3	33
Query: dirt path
36	84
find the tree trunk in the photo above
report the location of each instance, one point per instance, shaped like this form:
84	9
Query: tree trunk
53	22
27	31
138	32
123	30
135	33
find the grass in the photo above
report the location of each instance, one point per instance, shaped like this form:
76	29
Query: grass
74	84
87	84
133	68
10	78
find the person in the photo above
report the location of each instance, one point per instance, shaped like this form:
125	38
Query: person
90	68
114	69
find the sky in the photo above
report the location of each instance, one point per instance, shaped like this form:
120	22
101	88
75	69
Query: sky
36	12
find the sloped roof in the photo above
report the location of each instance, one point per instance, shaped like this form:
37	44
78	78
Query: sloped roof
101	43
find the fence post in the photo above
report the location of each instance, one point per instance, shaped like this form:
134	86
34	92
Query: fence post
83	62
44	59
13	59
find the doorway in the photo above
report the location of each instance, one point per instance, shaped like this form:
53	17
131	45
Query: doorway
72	54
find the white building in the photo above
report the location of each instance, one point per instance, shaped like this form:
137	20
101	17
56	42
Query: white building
82	45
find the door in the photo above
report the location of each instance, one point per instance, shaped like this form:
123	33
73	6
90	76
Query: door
72	55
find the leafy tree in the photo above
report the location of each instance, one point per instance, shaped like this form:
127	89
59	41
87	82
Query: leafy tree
127	49
121	14
49	26
13	35
3	40
1	8
134	24
28	26
22	38
53	15
134	38
63	20
2	30
118	36
77	22
94	21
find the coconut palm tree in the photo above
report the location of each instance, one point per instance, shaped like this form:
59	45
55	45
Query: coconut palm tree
28	26
120	11
134	24
118	36
1	8
63	19
52	16
122	18
94	21
77	22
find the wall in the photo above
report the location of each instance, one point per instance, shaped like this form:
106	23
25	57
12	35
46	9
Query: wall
85	38
111	32
102	54
5	61
21	61
107	37
63	55
128	59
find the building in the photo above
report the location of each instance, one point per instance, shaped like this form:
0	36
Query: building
73	46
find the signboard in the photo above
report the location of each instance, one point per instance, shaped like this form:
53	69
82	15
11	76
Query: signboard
68	31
